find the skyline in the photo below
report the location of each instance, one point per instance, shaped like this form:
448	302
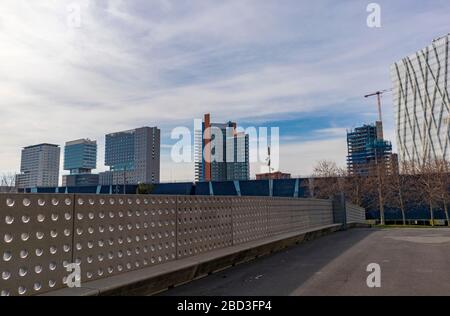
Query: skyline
258	64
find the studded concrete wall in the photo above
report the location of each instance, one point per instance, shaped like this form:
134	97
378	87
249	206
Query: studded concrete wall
317	212
355	214
250	219
119	234
280	216
287	215
36	242
204	224
108	235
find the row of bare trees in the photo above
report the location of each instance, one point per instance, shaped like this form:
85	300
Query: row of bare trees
7	182
413	186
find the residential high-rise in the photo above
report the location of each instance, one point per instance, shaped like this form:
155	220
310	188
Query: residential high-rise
237	151
80	158
198	150
422	104
221	152
366	150
39	166
133	157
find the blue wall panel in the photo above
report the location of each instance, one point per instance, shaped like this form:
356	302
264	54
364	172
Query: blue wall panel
284	188
255	188
173	189
202	188
224	188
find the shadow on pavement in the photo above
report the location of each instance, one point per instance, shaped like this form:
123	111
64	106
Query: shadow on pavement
278	274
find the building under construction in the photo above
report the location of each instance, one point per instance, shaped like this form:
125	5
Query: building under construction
367	149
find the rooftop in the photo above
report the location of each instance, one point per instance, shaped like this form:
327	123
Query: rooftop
81	141
41	145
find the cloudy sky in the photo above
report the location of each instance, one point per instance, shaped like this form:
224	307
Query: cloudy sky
301	65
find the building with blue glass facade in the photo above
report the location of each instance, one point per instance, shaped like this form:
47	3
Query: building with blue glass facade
221	152
80	158
132	156
367	150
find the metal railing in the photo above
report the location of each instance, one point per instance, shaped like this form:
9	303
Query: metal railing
107	235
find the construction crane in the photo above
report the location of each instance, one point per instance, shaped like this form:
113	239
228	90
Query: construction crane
380	136
380	114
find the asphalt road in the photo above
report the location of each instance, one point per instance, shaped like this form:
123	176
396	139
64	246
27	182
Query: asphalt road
412	261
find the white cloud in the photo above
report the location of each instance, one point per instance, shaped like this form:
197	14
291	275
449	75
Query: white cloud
332	132
300	158
159	62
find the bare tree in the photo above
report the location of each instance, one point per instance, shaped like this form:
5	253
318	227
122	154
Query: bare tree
441	168
401	188
427	181
326	169
427	184
374	195
328	179
355	188
395	194
376	185
7	181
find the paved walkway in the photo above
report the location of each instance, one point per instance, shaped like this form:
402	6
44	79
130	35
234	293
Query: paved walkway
413	262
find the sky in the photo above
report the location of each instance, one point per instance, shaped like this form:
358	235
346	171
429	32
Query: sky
302	66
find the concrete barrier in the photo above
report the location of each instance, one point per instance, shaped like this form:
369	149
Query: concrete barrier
142	244
159	278
355	214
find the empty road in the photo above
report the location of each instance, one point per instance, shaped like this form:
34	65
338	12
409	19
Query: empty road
413	262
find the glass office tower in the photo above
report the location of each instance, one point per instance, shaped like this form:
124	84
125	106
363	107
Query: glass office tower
80	158
221	152
133	157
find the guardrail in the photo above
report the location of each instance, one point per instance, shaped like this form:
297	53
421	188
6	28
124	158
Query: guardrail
108	235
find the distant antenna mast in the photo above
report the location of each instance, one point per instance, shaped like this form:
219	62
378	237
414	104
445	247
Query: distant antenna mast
269	161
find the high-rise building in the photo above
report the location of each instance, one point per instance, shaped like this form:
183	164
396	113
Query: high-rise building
422	104
133	157
237	151
366	150
39	166
221	152
80	158
198	150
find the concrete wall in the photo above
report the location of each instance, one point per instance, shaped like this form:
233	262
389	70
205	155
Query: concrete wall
355	214
109	235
